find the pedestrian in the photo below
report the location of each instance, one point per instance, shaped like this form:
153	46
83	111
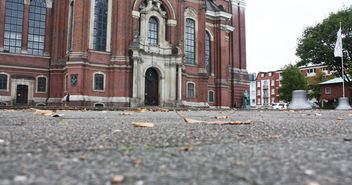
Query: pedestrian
68	99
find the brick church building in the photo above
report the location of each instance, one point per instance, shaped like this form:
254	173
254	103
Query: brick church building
123	53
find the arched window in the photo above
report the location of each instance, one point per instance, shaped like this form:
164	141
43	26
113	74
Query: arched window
36	27
99	81
70	28
13	26
207	53
190	41
100	24
211	96
4	82
190	90
153	31
41	84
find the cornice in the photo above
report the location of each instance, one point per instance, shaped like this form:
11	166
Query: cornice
240	3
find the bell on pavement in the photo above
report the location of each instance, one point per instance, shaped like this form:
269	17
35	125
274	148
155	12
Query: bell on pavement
299	101
343	104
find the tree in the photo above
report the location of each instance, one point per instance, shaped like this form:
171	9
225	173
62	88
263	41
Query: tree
316	45
292	79
313	86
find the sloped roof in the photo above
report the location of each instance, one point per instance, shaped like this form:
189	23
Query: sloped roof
332	81
212	6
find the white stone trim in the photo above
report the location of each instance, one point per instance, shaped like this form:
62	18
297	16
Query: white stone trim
8	82
96	65
49	3
93	82
95	99
46	83
172	22
168	2
195	104
191	13
218	15
210	34
135	14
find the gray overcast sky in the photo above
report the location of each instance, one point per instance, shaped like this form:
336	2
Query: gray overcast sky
273	27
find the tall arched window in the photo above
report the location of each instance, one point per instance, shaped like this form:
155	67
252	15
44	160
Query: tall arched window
190	41
36	27
100	24
70	28
207	53
153	31
13	26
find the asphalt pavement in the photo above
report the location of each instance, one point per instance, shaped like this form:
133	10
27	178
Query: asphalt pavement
103	147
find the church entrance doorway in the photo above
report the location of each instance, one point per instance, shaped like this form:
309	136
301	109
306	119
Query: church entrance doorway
22	95
151	87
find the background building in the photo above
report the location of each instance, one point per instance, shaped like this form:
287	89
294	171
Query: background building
123	53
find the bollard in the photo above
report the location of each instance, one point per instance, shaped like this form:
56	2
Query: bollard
299	101
343	104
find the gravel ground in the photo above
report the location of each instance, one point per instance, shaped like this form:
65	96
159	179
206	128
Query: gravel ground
278	147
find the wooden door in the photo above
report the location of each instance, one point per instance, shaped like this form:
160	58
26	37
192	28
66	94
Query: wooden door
151	87
22	95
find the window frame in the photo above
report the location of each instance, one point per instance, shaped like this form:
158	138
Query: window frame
190	41
258	93
13	31
208	52
213	96
104	81
327	91
188	90
100	27
155	30
37	84
272	91
7	82
35	46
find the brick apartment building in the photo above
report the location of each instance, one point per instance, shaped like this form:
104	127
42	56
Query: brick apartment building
268	83
123	52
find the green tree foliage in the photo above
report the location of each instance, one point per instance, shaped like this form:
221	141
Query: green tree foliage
292	79
316	45
314	90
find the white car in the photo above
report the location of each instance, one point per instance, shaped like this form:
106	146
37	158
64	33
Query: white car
279	106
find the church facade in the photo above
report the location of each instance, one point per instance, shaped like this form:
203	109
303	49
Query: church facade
123	53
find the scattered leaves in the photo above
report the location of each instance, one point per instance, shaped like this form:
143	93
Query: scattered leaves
82	157
164	110
186	148
140	110
117	179
317	114
341	118
44	112
136	124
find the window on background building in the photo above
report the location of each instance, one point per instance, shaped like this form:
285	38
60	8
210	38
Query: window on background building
41	84
272	91
36	27
258	101
190	90
66	82
190	54
262	74
327	90
70	28
3	81
13	26
272	82
258	92
207	52
258	84
98	81
153	32
270	74
211	96
272	100
100	24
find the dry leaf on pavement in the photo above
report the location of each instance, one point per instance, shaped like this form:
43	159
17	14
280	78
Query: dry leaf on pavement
44	112
136	124
117	179
340	118
218	122
140	110
125	113
186	148
221	117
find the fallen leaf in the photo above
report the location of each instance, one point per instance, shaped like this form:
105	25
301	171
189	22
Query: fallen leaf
104	111
221	117
218	122
340	118
164	110
186	148
82	157
137	162
84	110
125	113
140	110
317	114
44	112
142	124
117	179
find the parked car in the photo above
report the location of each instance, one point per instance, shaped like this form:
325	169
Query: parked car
279	106
314	105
